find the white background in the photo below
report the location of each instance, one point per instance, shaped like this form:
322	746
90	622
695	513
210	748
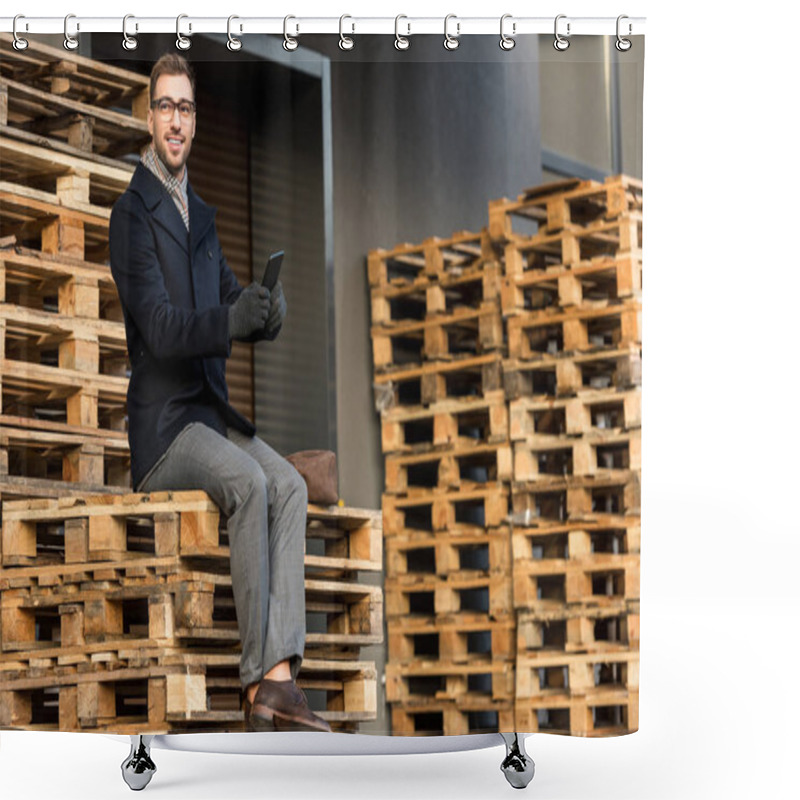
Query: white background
719	702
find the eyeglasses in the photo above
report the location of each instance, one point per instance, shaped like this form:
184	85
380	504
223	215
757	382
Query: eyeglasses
166	108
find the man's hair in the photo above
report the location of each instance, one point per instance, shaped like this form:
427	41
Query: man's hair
170	64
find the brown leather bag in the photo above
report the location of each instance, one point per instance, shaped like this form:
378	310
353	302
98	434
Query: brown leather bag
318	468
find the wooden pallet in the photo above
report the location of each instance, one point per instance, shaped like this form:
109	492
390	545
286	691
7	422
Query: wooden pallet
538	674
604	579
38	449
435	257
170	692
461	334
530	286
444	553
430	296
438	382
454	637
577	498
450	423
578	330
187	523
423	680
591	411
59	283
575	540
456	468
570	202
547	376
409	595
606	712
608	452
74	77
142	604
469	714
465	511
578	629
85	126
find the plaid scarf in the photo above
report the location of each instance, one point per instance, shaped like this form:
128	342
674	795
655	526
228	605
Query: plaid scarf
176	189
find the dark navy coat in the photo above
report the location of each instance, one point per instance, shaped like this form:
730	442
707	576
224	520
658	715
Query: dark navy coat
175	289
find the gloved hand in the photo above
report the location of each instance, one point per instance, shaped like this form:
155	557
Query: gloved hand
250	312
277	309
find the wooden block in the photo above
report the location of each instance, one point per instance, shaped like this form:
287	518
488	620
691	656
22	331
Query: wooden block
73	188
381	351
199	531
96	703
575	335
68	708
568	376
17	624
185	694
84	465
167	533
570	292
64	235
435	299
18	540
490	330
140	104
79	297
360	695
107	534
82	408
366	543
102	618
72	632
193	608
16	710
79	132
156	701
161	616
76	540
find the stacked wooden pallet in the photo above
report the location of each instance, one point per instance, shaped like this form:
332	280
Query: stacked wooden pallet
118	614
560	446
64	120
116	609
438	347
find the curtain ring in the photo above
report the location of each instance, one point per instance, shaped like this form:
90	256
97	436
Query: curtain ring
451	42
345	42
19	43
623	45
289	43
182	42
560	42
70	42
506	42
234	44
129	42
401	42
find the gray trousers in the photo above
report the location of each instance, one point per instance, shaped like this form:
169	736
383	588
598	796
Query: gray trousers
265	500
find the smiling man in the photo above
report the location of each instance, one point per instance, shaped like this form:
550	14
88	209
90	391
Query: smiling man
182	307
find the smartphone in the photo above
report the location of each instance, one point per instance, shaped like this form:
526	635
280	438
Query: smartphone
273	270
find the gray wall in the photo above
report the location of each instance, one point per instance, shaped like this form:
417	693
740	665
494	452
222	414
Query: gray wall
422	140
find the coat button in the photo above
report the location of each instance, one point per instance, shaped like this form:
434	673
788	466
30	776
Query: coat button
210	254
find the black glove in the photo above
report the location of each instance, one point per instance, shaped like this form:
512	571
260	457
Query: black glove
277	309
250	312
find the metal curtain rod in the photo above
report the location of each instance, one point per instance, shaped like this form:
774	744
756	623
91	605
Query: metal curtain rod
186	25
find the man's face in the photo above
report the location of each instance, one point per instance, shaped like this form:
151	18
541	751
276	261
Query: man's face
173	134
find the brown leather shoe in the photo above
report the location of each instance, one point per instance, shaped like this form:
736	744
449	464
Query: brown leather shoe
282	706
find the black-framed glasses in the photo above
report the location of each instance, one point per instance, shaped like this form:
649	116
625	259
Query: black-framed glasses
166	107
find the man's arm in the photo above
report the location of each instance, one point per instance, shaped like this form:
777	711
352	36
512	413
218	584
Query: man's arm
168	331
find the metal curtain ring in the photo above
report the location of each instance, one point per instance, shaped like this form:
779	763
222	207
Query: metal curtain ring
506	42
401	42
182	42
19	43
289	43
560	42
345	42
70	42
623	45
129	42
451	42
234	44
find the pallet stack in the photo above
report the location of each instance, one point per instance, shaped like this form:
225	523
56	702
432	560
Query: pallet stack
563	263
116	609
438	348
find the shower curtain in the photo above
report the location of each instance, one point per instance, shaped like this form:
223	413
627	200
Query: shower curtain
462	232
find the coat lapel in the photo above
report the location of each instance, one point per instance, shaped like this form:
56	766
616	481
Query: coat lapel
160	205
201	217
